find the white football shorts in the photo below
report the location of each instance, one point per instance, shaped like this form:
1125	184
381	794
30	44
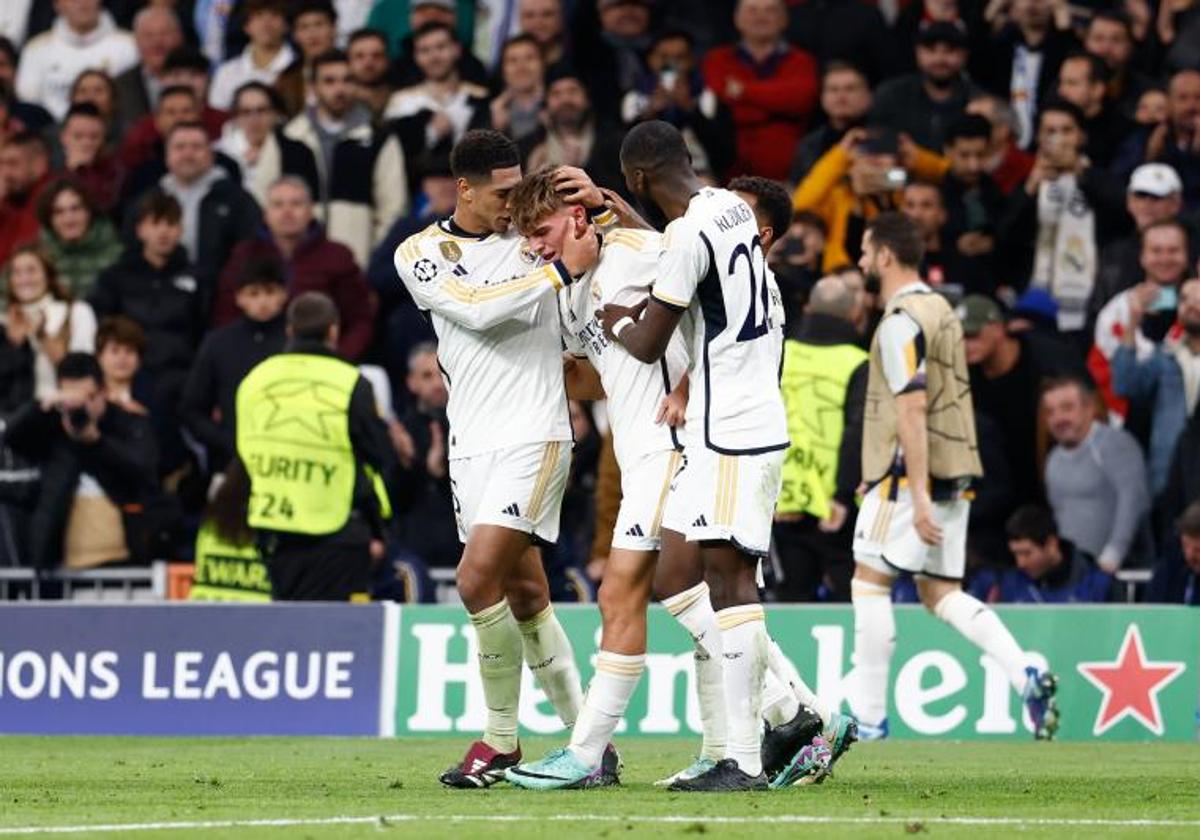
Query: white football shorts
644	488
885	539
520	487
726	497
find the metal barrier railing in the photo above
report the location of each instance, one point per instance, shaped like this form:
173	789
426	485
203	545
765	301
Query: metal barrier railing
127	584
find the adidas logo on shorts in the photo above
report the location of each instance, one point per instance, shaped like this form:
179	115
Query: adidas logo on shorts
635	531
512	510
701	522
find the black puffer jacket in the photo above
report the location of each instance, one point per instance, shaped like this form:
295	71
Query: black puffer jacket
165	301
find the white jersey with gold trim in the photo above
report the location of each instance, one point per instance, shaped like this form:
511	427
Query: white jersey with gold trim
712	263
624	275
492	303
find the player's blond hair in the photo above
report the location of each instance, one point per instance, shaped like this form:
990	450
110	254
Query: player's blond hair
535	198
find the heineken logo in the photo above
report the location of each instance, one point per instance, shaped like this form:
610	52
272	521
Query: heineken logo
1130	685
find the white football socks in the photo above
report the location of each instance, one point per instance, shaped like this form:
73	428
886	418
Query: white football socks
693	609
983	627
874	643
785	670
744	637
612	685
499	642
549	656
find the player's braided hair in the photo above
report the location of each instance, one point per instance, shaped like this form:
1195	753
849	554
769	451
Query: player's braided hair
535	198
479	152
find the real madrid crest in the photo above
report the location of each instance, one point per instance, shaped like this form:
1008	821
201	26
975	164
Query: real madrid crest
527	255
450	251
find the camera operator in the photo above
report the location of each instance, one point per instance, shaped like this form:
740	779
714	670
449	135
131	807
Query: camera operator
98	465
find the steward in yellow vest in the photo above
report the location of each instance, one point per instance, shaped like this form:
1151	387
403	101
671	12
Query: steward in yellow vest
824	385
317	455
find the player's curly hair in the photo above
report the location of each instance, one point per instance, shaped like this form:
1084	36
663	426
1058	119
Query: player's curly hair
535	198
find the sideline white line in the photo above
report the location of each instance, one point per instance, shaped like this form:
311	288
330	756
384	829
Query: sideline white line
795	819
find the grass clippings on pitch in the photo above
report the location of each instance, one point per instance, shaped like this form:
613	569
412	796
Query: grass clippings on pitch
332	788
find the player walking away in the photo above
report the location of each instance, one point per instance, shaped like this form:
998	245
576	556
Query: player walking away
712	264
493	307
919	458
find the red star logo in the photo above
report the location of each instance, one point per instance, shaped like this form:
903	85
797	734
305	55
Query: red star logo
1130	685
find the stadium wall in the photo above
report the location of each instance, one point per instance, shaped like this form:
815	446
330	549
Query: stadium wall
1126	673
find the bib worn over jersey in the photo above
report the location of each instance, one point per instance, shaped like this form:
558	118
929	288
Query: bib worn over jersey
293	435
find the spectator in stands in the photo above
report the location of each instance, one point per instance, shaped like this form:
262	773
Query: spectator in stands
143	151
388	16
156	32
845	101
314	31
266	55
1164	261
924	104
98	466
609	39
312	263
254	139
1008	370
120	346
1020	61
1175	141
41	313
155	285
368	58
1083	81
1151	108
24	174
362	172
922	202
574	134
1053	226
1095	476
434	113
769	86
673	90
1109	36
97	88
86	158
840	31
517	109
973	202
858	178
1155	194
543	21
228	353
217	212
427	519
188	67
83	36
1177	579
23	115
77	237
1167	376
824	383
1049	568
1007	165
796	259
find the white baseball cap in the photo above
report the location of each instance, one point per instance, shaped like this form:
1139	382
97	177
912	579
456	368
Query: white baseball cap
1156	179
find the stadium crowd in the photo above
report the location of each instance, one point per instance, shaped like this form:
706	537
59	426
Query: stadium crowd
173	172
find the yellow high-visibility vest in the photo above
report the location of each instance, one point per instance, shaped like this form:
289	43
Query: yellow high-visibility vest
293	435
814	383
227	571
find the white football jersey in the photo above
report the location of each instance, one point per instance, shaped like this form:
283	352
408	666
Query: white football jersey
712	262
624	275
493	307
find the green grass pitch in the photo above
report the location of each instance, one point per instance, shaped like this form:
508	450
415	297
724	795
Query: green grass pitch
333	788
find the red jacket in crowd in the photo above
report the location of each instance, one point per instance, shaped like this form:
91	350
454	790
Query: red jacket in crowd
317	265
772	110
18	218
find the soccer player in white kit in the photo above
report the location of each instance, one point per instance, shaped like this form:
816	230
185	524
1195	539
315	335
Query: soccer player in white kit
712	267
493	305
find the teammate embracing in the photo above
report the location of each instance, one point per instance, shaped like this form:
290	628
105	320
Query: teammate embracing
493	306
713	269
